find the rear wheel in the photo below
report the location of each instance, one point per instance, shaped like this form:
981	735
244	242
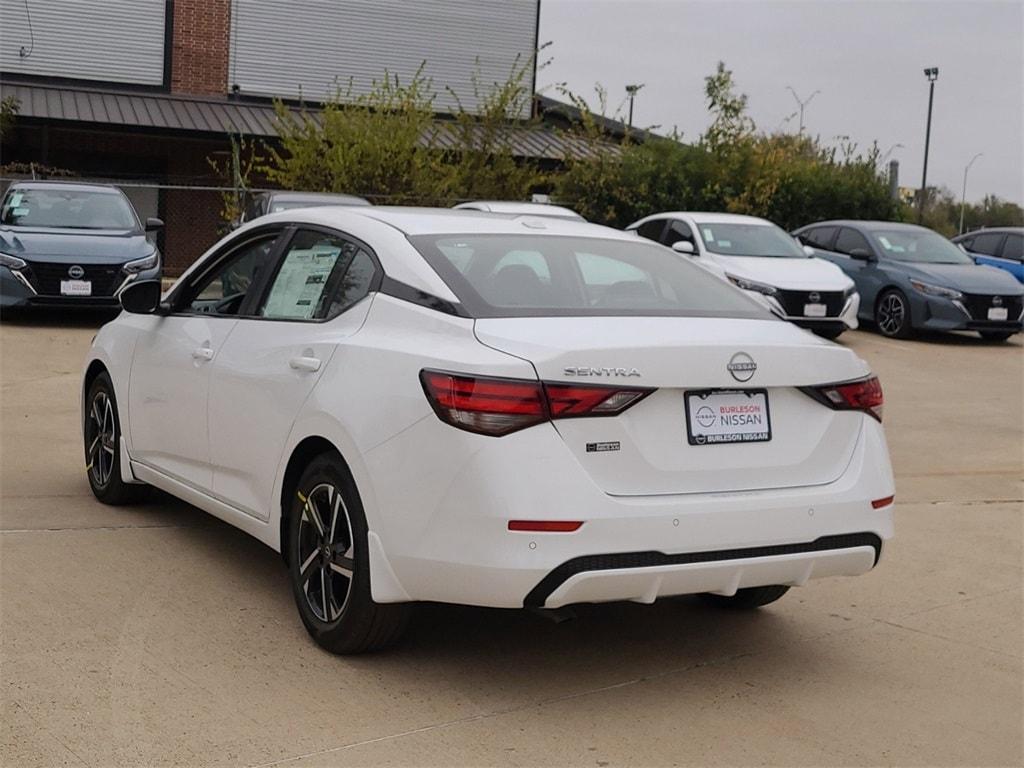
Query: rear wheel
103	446
747	598
995	335
329	567
892	315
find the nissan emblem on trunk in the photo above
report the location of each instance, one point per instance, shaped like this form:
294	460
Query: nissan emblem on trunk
75	272
742	366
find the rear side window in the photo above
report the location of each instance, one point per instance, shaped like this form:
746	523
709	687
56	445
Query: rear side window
1013	246
652	230
545	275
851	240
986	243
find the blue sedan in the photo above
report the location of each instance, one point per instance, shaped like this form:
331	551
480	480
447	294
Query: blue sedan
998	247
912	278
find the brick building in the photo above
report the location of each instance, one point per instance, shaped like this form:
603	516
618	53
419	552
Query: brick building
143	92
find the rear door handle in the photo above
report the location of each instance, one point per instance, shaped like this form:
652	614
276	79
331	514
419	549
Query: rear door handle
204	354
310	364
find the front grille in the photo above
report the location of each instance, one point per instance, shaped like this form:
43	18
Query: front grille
793	301
46	277
979	305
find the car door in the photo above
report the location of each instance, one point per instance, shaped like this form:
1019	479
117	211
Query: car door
273	359
169	383
852	252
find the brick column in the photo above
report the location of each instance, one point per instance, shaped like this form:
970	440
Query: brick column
199	54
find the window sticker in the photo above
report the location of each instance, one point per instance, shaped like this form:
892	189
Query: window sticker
22	211
709	235
300	282
725	243
16	199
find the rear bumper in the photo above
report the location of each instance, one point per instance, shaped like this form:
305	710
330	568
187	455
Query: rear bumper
456	547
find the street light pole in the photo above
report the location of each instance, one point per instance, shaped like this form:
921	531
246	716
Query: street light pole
631	90
932	73
963	193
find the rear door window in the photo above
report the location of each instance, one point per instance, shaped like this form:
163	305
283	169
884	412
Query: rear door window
652	229
819	237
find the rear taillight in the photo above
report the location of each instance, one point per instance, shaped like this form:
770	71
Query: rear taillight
864	395
494	406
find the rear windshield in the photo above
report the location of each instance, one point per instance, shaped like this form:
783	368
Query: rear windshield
750	240
545	275
921	245
67	209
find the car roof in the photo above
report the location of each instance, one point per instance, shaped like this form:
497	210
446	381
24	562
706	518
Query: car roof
325	196
515	206
442	221
867	224
708	217
991	230
74	186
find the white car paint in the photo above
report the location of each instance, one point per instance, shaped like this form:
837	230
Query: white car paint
217	429
810	274
516	208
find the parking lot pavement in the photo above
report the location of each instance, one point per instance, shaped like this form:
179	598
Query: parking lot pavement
157	635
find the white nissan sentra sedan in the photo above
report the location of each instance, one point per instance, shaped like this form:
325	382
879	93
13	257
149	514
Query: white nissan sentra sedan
416	404
761	258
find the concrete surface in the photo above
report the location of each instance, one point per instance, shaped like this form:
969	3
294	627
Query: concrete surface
159	636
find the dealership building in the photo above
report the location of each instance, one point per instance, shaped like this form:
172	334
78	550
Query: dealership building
143	93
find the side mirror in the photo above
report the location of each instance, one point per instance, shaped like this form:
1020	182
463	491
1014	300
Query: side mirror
142	298
152	225
684	246
810	251
861	254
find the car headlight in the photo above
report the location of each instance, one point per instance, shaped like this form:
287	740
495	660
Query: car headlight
141	265
11	262
936	290
750	285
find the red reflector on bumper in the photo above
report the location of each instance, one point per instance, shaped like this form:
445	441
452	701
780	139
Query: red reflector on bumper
879	503
545	526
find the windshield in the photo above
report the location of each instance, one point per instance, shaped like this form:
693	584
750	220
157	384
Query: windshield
921	245
67	208
544	275
749	240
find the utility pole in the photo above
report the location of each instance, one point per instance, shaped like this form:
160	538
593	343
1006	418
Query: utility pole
632	90
963	193
803	103
932	73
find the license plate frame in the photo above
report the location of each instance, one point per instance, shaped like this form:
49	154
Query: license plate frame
694	400
76	287
815	310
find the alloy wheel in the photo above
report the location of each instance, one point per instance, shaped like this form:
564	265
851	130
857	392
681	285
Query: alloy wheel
326	552
101	434
892	314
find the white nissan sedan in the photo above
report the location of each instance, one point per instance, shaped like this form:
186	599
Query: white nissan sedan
418	404
761	258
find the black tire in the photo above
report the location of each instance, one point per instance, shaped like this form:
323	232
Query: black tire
102	433
829	333
892	315
747	598
995	335
327	499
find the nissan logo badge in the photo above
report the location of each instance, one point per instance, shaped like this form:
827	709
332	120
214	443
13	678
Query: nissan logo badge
742	366
75	272
997	301
814	297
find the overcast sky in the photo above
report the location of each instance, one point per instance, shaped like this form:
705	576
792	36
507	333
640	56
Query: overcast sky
866	58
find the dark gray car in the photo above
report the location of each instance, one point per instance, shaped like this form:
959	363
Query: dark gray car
69	244
910	278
